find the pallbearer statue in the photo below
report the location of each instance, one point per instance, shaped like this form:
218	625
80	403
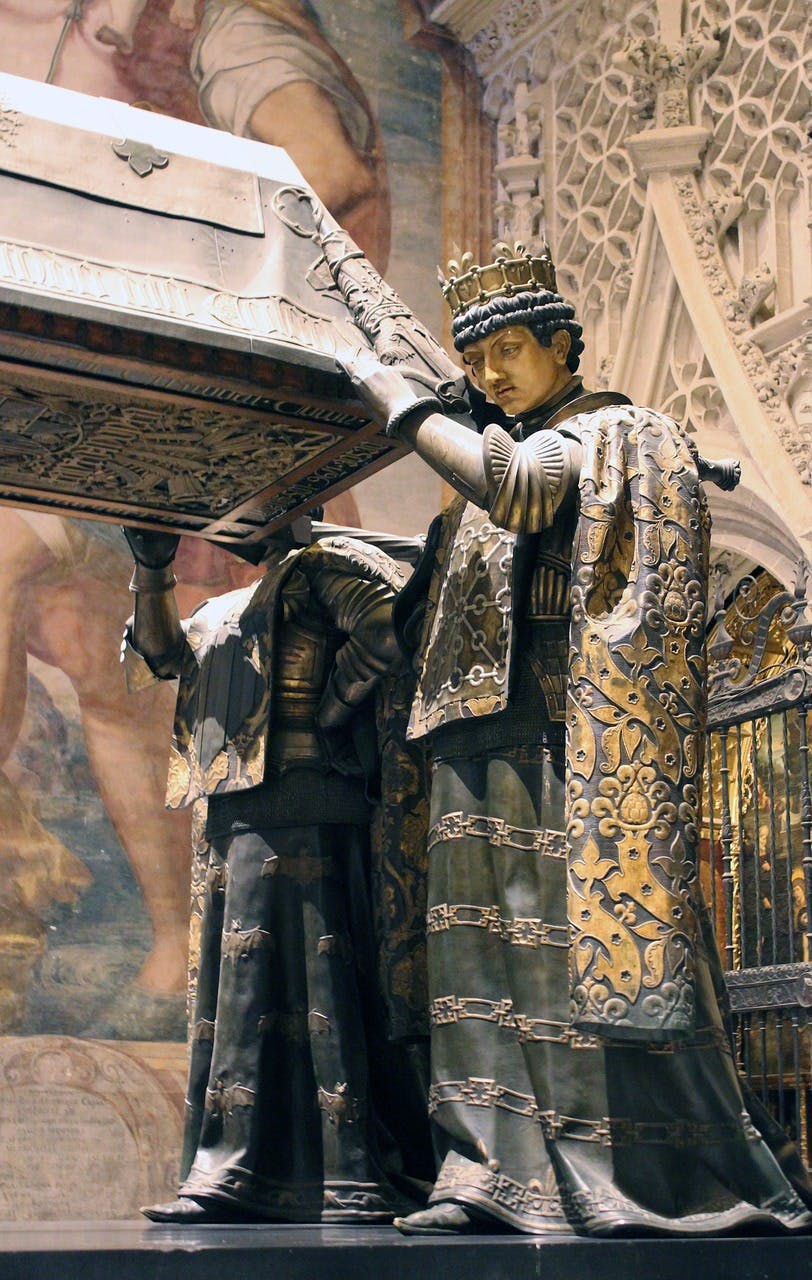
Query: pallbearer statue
582	1078
304	1101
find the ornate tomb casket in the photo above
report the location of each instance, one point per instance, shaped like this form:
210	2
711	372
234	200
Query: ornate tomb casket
173	304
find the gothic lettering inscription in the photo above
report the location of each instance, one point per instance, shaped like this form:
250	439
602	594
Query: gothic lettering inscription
88	1131
45	1130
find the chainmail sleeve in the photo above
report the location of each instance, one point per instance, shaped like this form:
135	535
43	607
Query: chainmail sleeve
528	479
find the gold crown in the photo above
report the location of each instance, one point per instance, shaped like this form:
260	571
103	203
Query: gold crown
515	270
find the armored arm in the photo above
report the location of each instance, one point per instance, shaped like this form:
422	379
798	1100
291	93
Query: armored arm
520	483
361	607
156	633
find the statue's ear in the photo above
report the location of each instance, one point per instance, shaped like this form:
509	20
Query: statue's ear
561	343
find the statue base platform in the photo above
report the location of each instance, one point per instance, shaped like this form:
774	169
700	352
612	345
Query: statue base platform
133	1251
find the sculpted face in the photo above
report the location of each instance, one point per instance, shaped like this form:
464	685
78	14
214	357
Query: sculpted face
515	371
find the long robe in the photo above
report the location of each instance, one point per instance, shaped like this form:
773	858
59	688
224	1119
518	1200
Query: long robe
306	1094
547	1120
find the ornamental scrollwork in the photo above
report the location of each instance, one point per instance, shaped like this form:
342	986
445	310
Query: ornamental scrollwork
74	444
759	644
797	442
756	106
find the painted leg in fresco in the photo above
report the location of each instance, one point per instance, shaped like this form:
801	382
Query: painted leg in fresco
36	869
78	627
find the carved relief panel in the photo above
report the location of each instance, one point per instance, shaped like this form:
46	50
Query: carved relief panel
170	333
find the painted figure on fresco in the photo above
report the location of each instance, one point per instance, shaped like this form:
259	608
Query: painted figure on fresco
304	1097
60	598
264	70
582	1077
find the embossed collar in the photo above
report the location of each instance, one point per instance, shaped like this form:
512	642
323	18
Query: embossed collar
572	399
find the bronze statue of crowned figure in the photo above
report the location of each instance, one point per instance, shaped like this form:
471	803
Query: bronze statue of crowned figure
582	1074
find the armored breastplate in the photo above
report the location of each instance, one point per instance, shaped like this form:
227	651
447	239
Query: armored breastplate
544	637
549	590
304	654
487	581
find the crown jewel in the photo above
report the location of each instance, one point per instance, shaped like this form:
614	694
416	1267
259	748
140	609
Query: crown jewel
515	270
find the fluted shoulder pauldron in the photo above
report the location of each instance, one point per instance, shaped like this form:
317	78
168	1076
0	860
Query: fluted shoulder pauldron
528	479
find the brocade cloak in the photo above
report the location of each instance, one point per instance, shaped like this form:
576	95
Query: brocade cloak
621	1111
635	706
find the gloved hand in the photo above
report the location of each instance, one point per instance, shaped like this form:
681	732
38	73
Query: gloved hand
388	393
151	549
725	474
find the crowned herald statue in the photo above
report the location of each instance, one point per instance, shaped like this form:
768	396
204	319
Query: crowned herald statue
582	1077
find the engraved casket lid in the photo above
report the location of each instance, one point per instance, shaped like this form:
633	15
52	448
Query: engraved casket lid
173	301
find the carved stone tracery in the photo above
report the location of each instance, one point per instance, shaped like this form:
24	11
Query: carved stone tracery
568	85
666	72
564	105
757	104
796	437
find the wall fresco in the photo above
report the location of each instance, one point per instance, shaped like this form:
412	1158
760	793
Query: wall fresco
94	903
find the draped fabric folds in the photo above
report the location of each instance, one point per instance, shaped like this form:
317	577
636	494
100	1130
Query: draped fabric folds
567	849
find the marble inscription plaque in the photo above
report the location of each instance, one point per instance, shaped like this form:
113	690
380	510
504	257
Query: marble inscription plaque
87	1131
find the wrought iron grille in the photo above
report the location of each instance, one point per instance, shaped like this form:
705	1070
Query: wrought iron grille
757	837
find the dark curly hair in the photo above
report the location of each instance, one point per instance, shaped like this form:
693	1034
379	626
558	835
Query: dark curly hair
542	313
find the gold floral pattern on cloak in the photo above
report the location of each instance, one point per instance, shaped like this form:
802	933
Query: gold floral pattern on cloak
239	764
201	853
635	722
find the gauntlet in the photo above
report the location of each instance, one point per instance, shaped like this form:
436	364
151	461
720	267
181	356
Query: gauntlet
388	394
